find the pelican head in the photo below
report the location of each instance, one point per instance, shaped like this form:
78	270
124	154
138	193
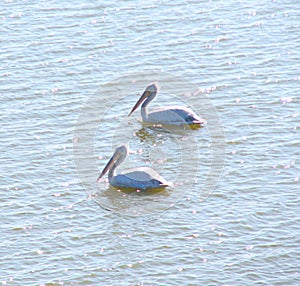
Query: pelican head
119	155
149	93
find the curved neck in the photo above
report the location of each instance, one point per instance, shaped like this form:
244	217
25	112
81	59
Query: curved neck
149	99
112	171
115	165
144	111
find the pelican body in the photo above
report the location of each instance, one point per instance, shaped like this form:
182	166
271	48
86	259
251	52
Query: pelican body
168	115
141	178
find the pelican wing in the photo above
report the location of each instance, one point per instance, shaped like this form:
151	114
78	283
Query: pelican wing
139	178
175	115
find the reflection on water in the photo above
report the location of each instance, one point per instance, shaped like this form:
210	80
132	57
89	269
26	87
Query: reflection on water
166	129
130	201
152	134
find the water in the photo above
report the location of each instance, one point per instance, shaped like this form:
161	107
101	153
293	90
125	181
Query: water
231	219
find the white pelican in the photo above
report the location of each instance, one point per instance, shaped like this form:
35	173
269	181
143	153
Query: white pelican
169	115
141	178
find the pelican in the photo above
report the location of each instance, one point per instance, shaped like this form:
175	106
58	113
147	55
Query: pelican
169	115
141	178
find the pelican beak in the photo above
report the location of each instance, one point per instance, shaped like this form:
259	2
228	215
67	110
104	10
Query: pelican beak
107	167
142	98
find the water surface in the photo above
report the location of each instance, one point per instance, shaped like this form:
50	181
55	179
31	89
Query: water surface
242	57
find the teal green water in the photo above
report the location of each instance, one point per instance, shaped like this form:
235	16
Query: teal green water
71	72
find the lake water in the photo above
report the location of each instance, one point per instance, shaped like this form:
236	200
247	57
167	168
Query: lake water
70	74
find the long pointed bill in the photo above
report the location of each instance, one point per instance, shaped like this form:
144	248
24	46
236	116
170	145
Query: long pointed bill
107	167
142	98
